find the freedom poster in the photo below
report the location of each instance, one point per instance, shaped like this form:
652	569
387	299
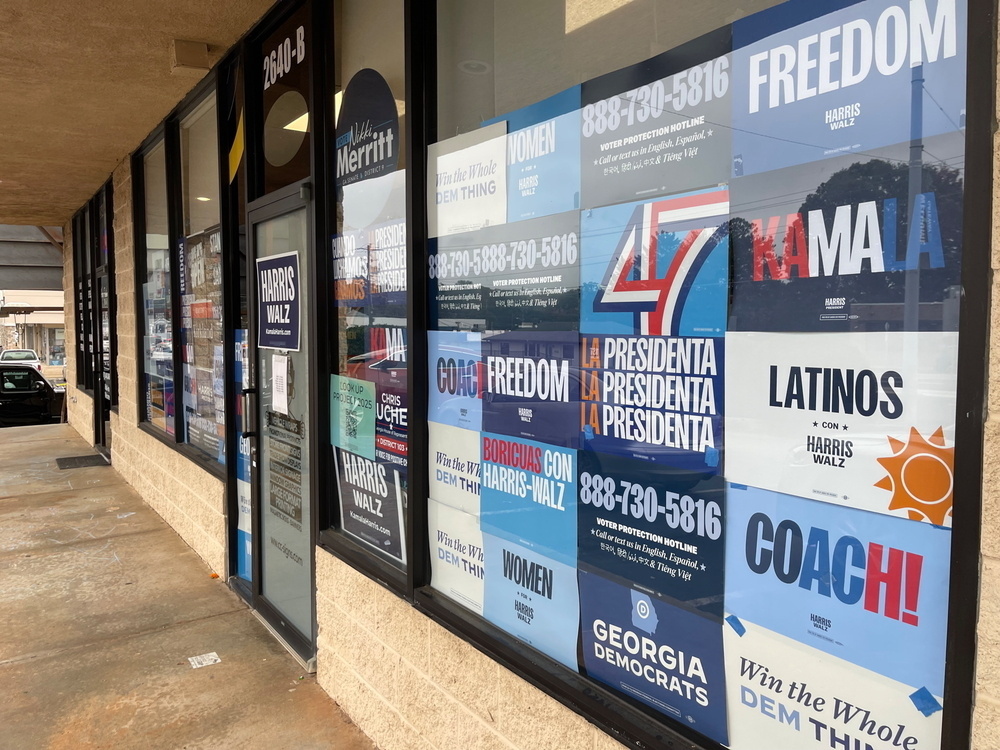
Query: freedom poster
808	87
660	655
659	528
783	695
654	398
506	277
532	597
658	267
533	386
863	587
529	496
543	156
865	420
658	126
867	242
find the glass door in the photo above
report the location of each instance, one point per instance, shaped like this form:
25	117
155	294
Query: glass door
280	401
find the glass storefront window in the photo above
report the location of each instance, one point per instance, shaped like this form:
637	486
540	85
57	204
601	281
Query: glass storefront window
157	317
368	382
201	325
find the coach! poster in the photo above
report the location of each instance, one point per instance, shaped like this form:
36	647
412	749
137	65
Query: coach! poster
865	420
863	587
456	378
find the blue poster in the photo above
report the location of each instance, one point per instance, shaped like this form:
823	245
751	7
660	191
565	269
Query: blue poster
827	246
528	495
456	379
861	77
659	267
659	528
864	587
654	398
543	156
244	526
278	301
533	598
533	386
660	655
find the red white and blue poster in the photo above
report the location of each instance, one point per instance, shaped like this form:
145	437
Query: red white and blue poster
662	529
863	587
808	87
665	657
533	386
659	267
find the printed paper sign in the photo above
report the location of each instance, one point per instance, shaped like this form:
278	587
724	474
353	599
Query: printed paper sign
663	656
854	243
863	587
660	267
457	379
658	126
786	696
654	398
522	275
467	181
529	495
543	156
457	558
455	467
662	529
533	386
369	265
278	302
352	415
371	502
865	420
533	598
847	81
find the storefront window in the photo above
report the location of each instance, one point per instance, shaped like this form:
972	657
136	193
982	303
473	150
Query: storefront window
368	384
201	283
692	359
157	318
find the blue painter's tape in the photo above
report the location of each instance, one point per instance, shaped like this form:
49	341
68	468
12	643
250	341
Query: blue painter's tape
925	702
588	432
737	486
735	624
711	456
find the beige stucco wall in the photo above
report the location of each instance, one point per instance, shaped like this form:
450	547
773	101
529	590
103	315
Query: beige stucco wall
189	498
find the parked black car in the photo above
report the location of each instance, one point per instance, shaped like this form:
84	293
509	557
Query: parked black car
26	397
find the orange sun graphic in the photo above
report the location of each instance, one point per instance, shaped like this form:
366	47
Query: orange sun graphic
921	477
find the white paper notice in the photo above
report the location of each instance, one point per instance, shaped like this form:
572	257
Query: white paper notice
279	377
204	660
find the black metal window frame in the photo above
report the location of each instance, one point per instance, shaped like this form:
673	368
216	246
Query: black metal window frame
168	134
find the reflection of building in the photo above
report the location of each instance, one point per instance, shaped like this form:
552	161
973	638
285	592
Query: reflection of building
34	320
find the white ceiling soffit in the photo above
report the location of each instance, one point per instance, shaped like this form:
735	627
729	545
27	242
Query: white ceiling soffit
82	83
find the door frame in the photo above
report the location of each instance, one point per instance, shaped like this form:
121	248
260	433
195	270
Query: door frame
278	203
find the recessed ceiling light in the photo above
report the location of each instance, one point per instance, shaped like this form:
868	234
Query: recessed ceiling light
475	67
203	198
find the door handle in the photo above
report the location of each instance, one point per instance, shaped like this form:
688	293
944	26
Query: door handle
246	423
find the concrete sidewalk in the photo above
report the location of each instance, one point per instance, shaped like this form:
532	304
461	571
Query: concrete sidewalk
102	604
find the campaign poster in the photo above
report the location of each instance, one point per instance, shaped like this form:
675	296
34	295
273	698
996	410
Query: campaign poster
658	126
866	242
657	267
532	597
810	86
457	557
865	420
392	417
660	655
372	495
543	156
352	415
457	379
455	466
787	696
533	386
528	494
244	524
867	588
467	181
278	301
660	528
369	266
655	398
521	275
